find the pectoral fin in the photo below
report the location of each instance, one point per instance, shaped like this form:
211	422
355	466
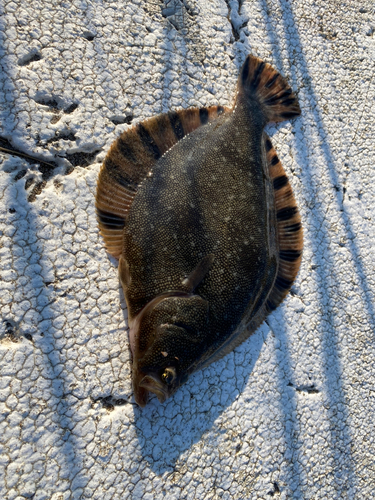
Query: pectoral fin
199	273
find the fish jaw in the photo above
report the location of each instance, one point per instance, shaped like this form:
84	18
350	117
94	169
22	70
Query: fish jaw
140	394
144	384
162	380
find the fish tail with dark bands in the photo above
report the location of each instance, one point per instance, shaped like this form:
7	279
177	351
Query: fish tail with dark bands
287	102
278	97
261	81
257	75
272	80
287	115
245	71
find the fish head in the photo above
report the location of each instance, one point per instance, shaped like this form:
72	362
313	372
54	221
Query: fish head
159	370
167	342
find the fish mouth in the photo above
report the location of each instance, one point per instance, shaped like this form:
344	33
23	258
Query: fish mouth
149	383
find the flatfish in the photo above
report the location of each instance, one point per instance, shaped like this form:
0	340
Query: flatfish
198	209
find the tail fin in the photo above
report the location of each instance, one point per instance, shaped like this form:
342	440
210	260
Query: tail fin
260	81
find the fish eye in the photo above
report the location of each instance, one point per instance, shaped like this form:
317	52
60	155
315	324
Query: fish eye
168	376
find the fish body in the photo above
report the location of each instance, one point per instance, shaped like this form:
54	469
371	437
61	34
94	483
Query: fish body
202	231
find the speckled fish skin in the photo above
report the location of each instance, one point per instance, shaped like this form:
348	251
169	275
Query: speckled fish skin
208	195
201	241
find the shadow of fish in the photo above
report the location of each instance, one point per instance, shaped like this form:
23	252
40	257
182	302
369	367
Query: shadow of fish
196	206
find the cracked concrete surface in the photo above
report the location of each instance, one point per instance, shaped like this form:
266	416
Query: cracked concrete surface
290	413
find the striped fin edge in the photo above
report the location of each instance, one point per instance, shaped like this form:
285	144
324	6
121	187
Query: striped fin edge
130	159
289	229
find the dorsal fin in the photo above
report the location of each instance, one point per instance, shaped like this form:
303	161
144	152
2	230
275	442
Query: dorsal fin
130	159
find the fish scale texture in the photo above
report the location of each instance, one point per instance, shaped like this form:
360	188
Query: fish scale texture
290	413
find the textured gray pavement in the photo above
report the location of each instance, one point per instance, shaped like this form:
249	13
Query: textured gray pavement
287	415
